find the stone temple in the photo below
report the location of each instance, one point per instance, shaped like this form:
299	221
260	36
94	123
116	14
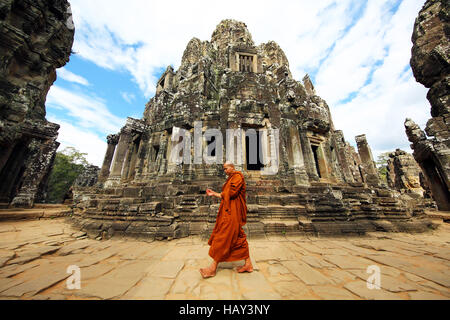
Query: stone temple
304	179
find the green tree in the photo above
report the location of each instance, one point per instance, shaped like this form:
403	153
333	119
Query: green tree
68	165
382	165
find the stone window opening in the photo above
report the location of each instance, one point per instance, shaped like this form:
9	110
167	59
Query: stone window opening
161	85
195	69
245	63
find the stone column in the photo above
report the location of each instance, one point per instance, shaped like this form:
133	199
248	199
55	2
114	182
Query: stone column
119	158
112	139
298	161
343	156
368	166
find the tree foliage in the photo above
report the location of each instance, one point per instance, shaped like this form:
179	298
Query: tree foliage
68	165
382	165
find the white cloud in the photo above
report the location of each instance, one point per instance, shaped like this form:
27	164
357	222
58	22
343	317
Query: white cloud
72	77
128	97
82	140
358	49
383	102
90	112
90	123
141	37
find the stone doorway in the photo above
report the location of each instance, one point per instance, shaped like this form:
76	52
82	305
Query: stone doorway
253	150
13	172
315	150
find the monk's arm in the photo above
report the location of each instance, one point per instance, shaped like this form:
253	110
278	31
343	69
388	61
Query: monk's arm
215	194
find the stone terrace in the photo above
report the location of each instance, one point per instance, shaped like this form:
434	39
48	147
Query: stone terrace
35	255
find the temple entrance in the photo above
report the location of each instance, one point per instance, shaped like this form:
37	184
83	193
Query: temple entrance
12	172
253	150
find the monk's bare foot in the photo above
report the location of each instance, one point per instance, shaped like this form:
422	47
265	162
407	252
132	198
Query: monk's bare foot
245	268
207	273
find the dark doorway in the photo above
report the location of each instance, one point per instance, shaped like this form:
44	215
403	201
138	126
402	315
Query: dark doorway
253	150
11	176
315	150
155	153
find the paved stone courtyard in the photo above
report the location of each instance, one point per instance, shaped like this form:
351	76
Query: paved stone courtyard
35	256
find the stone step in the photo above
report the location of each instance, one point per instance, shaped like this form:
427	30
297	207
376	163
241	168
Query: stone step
33	214
280	226
4	205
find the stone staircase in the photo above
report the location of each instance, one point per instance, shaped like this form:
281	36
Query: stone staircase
320	209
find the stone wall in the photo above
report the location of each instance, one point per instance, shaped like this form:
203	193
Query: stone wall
36	38
430	63
87	178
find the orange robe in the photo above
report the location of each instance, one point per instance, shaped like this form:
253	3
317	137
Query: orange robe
228	240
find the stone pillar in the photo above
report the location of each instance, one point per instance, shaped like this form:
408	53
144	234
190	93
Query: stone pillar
368	166
129	167
112	139
37	166
344	158
298	161
308	156
119	158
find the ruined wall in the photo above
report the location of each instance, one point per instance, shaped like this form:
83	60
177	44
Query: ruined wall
36	38
430	63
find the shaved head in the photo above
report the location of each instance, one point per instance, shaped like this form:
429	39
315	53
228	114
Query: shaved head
229	164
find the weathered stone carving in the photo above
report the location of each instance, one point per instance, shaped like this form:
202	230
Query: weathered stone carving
368	166
430	63
36	37
88	177
403	172
315	185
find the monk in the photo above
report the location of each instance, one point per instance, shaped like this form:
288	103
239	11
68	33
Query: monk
228	240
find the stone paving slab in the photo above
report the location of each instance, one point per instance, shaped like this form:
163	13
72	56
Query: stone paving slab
35	255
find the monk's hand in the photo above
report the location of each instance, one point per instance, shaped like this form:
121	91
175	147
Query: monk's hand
209	192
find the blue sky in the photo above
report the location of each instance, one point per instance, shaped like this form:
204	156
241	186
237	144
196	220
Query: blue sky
356	52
